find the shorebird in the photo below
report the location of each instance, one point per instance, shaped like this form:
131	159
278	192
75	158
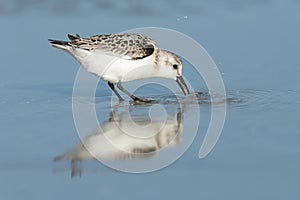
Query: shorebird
118	58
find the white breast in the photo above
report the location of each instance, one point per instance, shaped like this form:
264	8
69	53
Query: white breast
114	69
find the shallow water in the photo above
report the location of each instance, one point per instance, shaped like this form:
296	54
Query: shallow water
255	45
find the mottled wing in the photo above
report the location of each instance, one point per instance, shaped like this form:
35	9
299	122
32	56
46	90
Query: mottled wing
127	46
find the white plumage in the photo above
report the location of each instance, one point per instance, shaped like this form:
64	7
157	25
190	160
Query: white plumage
118	58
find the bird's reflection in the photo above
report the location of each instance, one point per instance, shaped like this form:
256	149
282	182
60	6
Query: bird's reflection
126	135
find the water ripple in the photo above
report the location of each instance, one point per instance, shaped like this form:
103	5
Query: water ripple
262	99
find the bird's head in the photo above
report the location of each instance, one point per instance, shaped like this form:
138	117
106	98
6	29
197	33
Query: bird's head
171	66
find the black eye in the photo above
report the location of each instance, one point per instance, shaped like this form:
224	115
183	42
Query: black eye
175	66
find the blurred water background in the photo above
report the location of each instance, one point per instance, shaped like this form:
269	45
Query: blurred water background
255	44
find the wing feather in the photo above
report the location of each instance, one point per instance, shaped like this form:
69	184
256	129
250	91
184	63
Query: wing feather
127	46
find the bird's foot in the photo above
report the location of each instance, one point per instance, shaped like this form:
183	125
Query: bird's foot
138	100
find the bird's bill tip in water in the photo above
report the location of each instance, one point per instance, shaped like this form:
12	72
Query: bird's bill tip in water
182	85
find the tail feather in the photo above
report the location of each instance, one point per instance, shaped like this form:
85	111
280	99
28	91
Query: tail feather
58	42
64	45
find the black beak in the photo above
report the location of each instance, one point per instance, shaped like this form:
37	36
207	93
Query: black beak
182	85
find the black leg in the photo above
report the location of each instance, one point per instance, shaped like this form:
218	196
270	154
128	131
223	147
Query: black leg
111	85
131	95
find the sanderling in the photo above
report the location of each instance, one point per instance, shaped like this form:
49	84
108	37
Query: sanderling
118	58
